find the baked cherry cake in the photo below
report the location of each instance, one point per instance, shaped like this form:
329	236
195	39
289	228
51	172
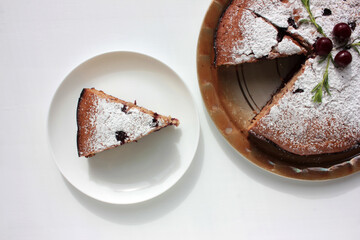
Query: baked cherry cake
318	109
105	122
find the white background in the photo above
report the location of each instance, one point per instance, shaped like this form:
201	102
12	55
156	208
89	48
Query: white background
221	196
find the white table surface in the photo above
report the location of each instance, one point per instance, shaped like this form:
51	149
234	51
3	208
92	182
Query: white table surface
222	196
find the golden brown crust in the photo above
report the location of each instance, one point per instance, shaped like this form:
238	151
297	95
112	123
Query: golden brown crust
85	103
226	35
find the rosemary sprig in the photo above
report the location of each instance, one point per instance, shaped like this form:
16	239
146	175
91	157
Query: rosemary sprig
354	46
324	84
306	4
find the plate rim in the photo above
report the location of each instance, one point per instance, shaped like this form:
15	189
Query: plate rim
196	117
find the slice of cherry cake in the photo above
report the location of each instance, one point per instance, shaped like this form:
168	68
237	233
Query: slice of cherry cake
105	122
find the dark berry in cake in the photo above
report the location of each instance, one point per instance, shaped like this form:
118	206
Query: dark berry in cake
121	136
323	46
343	58
299	90
154	123
291	22
342	31
327	12
124	108
352	25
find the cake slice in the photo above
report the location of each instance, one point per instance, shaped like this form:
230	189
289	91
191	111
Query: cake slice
244	37
105	122
289	14
296	124
253	30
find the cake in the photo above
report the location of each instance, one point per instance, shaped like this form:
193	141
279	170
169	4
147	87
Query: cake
249	31
243	37
105	122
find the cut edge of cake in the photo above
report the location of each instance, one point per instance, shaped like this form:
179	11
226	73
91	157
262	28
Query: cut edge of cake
253	130
289	86
328	133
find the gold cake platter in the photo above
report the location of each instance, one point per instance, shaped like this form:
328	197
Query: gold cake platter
234	95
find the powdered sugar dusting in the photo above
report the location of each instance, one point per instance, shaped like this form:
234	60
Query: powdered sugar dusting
342	11
108	118
279	13
256	39
288	47
297	123
260	39
275	11
302	126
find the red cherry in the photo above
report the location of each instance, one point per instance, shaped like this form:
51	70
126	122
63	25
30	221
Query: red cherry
323	46
343	58
342	31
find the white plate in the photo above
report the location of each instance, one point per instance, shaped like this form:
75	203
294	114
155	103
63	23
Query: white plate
134	172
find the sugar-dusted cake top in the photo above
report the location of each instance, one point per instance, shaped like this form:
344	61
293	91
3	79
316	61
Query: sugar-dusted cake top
287	14
303	127
251	29
243	36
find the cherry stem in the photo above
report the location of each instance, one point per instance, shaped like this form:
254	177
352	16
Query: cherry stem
348	45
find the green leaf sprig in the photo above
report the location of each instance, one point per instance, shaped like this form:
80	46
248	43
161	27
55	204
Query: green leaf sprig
306	4
356	49
354	46
324	84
